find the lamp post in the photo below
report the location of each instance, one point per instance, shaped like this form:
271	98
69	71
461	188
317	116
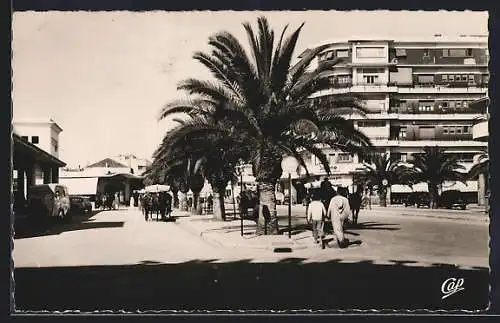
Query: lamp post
289	164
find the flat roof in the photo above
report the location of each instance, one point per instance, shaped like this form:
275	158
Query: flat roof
37	121
437	38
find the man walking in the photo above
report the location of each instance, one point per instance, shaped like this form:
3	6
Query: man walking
316	214
339	211
327	191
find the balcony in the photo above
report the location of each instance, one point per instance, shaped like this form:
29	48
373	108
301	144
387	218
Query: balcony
480	131
441	89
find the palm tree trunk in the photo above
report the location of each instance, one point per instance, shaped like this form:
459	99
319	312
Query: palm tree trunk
433	191
382	197
268	219
175	199
196	203
183	206
219	207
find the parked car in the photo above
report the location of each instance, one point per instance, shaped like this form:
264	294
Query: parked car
419	199
80	204
48	201
280	198
452	199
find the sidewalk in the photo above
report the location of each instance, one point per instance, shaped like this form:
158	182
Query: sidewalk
227	234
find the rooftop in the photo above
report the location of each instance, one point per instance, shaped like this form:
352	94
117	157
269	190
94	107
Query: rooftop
36	121
436	38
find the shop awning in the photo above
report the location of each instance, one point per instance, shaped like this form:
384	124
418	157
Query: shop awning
470	186
80	185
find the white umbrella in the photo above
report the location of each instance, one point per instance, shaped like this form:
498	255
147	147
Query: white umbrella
157	188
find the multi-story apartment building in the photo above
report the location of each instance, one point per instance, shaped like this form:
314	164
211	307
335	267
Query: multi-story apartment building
417	93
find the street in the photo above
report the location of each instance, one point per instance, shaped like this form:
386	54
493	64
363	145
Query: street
115	259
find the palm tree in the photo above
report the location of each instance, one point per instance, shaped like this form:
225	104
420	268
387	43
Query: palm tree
212	149
434	166
479	171
267	103
381	171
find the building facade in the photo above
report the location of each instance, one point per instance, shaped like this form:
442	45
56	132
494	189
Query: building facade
418	93
42	133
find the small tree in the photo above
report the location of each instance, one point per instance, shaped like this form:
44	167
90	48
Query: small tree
381	171
434	166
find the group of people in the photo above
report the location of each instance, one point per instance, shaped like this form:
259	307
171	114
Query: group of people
335	207
159	203
206	203
108	200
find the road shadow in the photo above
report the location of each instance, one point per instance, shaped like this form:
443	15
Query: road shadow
28	229
284	285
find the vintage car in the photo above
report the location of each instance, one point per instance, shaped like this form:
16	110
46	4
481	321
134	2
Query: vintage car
49	201
80	204
452	199
418	199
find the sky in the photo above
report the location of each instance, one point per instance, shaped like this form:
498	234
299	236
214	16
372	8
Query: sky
104	76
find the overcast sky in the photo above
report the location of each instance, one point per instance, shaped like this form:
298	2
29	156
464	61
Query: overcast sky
103	77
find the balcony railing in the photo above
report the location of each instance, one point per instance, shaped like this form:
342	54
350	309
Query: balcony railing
436	110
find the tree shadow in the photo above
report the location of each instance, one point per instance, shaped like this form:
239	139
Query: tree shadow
28	229
374	226
288	284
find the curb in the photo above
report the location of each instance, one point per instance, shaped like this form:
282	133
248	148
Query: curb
209	237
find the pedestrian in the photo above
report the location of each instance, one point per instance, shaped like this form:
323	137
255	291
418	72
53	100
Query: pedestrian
355	204
116	201
132	200
338	212
316	214
327	191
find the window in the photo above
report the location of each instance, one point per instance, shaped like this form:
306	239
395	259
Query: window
445	130
426	53
25	138
344	79
331	158
466	129
469	52
344	157
465	104
451	130
459	130
451	78
375	123
329	55
456	52
402	133
459	104
35	139
370	52
370	79
444	77
343	53
426	79
400	52
464	77
54	144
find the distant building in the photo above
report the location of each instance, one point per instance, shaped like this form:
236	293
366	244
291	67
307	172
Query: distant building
121	174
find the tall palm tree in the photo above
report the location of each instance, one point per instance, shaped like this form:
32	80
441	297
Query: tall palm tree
379	168
434	166
266	101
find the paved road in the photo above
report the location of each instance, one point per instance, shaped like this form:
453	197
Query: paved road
116	260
